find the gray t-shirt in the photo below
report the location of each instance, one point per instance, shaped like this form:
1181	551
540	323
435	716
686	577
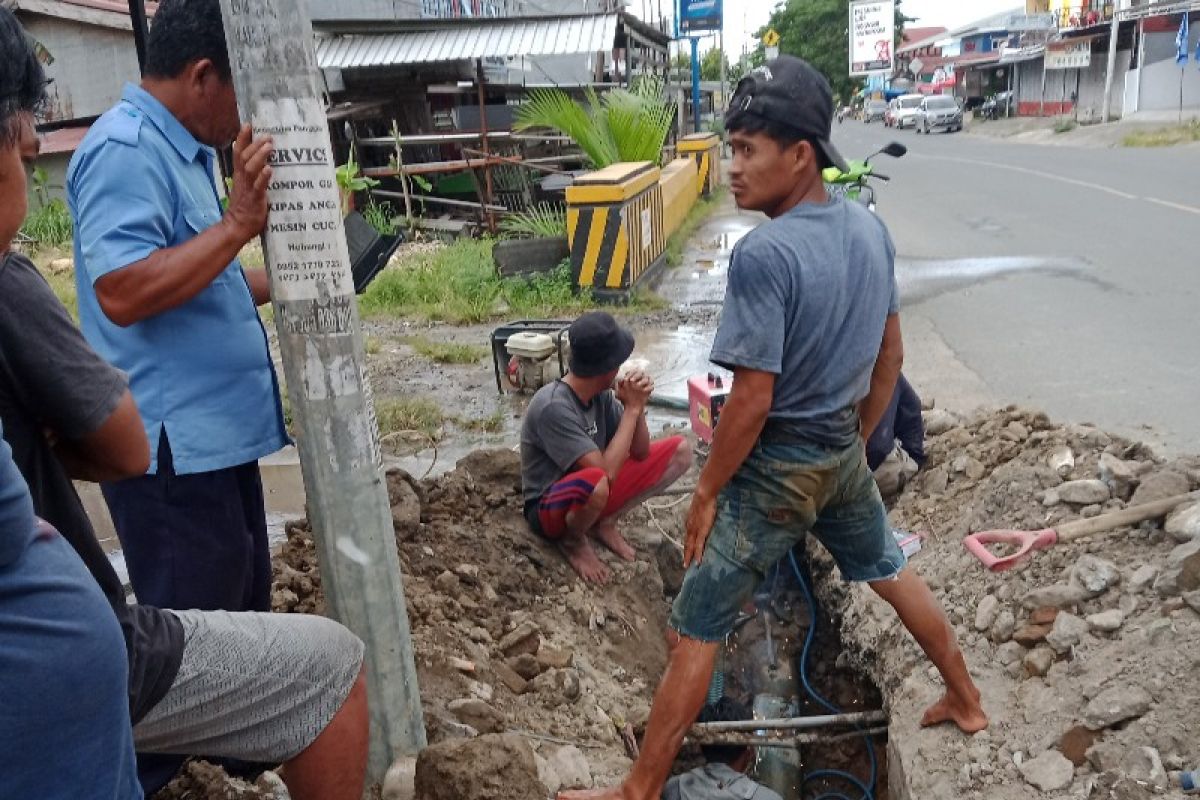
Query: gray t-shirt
559	430
715	782
807	298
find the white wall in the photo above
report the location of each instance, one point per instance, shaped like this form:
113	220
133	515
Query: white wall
1160	75
91	64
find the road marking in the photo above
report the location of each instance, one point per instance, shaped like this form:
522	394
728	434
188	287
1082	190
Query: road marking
1038	173
1177	206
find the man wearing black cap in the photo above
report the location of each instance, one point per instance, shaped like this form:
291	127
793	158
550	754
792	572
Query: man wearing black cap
586	454
810	328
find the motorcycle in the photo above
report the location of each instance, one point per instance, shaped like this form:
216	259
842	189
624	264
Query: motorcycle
854	184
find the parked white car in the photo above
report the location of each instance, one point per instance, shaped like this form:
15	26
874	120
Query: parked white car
905	113
939	111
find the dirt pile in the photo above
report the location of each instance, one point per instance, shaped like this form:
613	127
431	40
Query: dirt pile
1086	655
507	638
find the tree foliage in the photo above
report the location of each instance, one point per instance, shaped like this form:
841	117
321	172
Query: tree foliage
818	32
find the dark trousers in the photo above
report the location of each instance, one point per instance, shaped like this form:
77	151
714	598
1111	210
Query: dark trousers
192	541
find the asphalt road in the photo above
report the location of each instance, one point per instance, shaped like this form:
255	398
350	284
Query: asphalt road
1062	278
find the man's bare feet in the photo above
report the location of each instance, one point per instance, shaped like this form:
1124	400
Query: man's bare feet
607	534
581	557
612	793
967	714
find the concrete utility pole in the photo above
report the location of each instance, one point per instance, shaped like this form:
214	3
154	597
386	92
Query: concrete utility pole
279	92
1112	66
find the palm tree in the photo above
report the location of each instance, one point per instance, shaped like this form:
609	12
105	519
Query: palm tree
623	125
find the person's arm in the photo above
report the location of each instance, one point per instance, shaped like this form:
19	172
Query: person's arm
260	286
883	377
742	420
620	446
171	276
83	402
910	425
118	449
639	449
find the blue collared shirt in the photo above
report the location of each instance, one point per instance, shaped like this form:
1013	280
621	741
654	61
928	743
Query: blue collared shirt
139	183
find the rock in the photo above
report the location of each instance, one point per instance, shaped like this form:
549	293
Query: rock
1144	765
449	729
1044	615
478	714
526	638
1128	604
1192	600
936	482
447	583
1095	574
1084	493
1049	772
1160	631
496	767
1061	460
971	467
1184	523
1058	595
1182	571
571	767
1104	756
1116	704
1031	635
1050	498
547	776
1037	662
1009	653
400	781
526	665
1075	743
1067	631
1161	485
986	613
1004	626
1014	432
467	572
939	421
563	683
556	659
1143	578
515	683
1120	476
1107	621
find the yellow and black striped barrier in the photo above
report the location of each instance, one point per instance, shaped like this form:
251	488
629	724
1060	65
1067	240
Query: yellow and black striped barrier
615	228
705	149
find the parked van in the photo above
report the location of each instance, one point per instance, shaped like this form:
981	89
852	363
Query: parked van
905	112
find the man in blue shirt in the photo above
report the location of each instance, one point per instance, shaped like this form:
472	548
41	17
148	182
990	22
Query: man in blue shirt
163	297
64	713
811	329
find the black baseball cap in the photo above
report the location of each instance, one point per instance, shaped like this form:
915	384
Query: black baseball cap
598	344
790	92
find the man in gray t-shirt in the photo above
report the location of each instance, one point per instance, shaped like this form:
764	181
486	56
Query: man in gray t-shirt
811	330
586	454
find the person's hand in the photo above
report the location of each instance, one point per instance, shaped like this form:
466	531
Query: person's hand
701	516
247	211
635	389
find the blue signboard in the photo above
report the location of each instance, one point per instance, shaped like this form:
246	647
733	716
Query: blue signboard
699	16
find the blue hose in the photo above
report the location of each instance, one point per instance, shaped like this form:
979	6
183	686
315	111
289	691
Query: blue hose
868	791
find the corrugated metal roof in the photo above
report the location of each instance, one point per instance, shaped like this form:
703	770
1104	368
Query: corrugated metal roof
494	38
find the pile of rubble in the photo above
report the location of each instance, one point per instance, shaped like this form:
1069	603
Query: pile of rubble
1086	656
508	641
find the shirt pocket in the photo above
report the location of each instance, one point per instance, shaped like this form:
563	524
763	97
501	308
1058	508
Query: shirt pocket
199	218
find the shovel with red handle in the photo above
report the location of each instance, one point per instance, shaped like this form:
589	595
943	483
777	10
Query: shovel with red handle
1028	541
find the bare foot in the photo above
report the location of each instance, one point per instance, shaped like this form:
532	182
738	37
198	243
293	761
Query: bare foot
607	534
583	559
967	714
614	793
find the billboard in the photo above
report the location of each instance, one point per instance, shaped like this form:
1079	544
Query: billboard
1073	55
699	16
872	36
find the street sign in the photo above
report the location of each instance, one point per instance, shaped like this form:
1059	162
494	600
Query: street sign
771	38
872	36
1072	55
700	16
